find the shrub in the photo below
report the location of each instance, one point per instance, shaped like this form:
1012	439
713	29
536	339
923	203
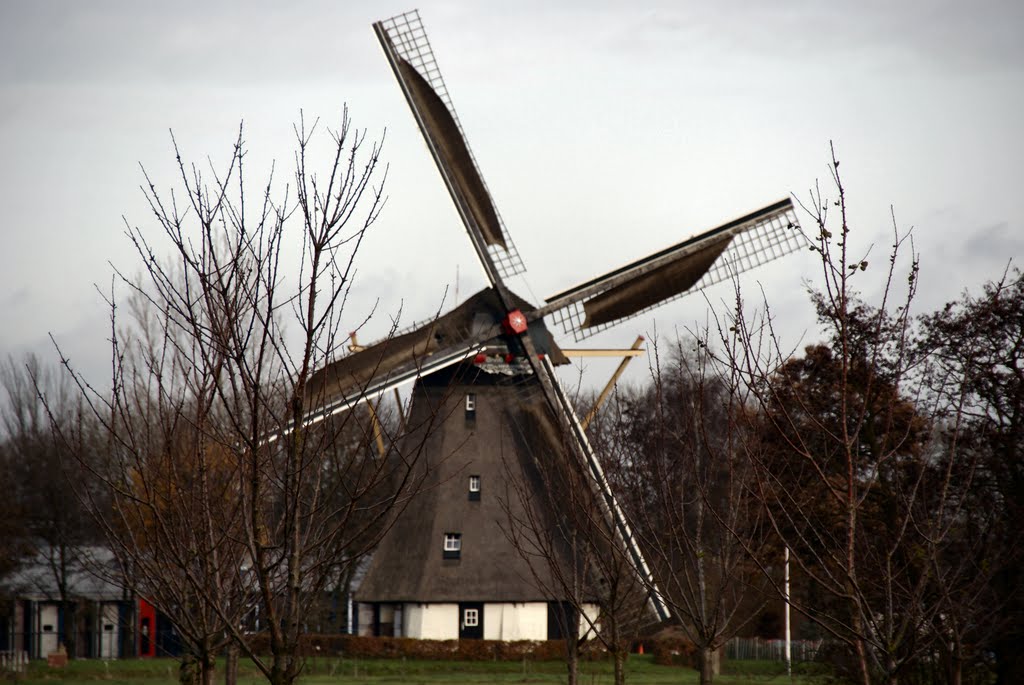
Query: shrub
362	647
673	651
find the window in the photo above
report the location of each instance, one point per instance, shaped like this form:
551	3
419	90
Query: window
470	406
452	545
474	488
471	618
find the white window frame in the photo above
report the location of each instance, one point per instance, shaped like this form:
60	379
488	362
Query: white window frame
474	483
471	618
453	542
470	402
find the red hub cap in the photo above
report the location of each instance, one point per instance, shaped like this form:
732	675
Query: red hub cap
515	322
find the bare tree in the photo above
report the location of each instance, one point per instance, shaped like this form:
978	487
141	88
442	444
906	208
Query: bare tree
854	474
55	532
980	339
249	305
685	482
170	510
559	524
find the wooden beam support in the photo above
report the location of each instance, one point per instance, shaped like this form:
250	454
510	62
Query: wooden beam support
603	353
354	345
633	352
398	408
378	433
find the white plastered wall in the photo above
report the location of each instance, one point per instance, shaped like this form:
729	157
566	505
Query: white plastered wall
110	631
365	618
589	618
516	621
49	637
502	621
433	621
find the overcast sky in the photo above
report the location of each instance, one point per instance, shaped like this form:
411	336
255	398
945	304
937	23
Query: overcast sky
605	132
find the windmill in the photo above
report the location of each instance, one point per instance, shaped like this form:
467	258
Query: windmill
485	385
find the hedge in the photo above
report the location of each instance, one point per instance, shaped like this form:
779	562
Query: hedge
361	647
667	649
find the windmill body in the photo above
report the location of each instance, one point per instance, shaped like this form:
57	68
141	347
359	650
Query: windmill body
488	412
447	568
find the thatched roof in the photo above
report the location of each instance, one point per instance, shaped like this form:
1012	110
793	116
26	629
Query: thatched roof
92	574
512	428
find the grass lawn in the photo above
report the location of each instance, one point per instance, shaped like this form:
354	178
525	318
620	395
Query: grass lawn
640	670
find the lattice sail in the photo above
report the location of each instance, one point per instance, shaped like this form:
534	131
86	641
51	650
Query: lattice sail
690	266
415	66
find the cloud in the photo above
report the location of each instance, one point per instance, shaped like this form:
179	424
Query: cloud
943	35
990	243
15	298
114	41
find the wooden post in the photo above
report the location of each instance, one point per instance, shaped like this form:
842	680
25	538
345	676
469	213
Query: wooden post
378	434
611	384
398	408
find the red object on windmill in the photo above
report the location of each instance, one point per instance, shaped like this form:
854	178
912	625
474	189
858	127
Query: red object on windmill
515	323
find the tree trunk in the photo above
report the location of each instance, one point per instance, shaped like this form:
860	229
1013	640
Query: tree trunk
284	670
70	628
187	670
572	662
231	665
620	666
859	645
706	663
956	666
890	670
207	666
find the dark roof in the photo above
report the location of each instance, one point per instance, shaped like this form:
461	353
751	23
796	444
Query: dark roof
92	574
512	427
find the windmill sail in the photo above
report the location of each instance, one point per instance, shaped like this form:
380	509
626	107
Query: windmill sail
612	511
456	157
412	59
689	266
427	348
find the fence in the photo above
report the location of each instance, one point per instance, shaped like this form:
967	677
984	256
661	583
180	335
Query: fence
755	648
14	661
113	641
